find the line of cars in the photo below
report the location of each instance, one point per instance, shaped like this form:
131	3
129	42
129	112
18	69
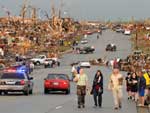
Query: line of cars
120	29
17	79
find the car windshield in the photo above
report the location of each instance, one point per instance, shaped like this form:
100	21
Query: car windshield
48	60
57	76
12	76
39	57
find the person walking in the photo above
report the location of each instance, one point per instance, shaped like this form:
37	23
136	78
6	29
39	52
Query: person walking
141	88
97	88
134	86
128	85
97	36
82	84
115	85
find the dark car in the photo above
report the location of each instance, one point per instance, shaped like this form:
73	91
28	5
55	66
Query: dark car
12	81
111	47
86	50
57	82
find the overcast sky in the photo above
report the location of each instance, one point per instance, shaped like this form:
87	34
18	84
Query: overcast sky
88	9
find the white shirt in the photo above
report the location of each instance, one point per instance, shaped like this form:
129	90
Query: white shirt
114	79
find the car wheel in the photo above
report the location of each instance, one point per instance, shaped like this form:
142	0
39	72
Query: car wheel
5	93
46	91
68	91
37	63
0	93
26	92
31	92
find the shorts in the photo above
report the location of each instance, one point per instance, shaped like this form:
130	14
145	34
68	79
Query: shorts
142	92
134	89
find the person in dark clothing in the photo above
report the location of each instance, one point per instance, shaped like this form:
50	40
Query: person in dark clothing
141	89
134	86
115	64
128	85
78	69
97	88
97	36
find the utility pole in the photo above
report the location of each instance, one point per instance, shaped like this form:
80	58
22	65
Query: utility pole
136	38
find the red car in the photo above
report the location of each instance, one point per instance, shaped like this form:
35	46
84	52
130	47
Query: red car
57	82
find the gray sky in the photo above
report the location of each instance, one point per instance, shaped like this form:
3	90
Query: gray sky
89	9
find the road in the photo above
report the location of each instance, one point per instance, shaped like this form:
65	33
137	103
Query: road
60	103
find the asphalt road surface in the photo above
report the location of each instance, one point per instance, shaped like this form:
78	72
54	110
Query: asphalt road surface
61	103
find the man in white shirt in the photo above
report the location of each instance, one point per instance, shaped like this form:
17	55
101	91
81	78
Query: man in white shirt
115	85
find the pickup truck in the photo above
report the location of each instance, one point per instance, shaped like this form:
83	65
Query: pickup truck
39	60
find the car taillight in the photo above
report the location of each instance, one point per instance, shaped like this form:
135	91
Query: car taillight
65	83
22	82
47	82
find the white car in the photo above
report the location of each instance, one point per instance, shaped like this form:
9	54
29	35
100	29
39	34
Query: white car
38	60
127	32
84	41
85	64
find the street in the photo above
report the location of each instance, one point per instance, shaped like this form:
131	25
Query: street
61	103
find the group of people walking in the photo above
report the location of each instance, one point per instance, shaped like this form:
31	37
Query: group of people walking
137	85
115	85
83	85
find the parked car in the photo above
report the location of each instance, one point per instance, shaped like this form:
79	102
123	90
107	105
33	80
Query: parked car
86	50
111	47
119	30
137	52
57	82
85	64
127	32
12	81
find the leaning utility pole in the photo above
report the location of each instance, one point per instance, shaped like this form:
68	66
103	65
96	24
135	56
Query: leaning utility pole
24	10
